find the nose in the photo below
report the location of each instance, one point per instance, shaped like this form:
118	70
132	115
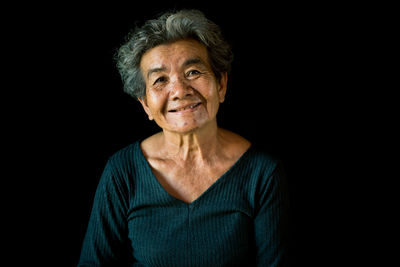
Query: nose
180	89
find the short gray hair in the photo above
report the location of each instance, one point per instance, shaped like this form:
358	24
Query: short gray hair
170	27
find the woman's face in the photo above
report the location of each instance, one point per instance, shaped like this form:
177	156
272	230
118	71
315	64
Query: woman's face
182	93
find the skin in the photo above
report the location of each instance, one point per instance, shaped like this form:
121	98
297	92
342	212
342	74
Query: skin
183	97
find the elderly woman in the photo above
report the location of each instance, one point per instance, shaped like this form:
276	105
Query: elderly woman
193	194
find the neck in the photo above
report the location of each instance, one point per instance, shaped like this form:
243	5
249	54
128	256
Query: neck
199	144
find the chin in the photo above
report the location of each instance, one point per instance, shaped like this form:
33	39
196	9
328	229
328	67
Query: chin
185	125
185	130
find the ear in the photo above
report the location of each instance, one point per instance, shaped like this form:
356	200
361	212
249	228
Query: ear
223	82
146	108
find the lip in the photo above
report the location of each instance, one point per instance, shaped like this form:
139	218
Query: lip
185	108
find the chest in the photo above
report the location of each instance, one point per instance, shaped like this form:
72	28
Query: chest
187	182
214	231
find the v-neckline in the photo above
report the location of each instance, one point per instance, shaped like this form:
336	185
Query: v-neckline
202	195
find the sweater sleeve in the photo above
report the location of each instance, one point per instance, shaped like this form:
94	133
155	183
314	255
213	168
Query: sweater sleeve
271	221
106	241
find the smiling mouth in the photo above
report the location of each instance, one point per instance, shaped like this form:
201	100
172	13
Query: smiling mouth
186	108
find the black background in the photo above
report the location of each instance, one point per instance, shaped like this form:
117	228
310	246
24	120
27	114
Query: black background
294	89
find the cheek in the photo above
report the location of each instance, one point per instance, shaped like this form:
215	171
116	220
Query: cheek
156	102
213	106
207	88
212	98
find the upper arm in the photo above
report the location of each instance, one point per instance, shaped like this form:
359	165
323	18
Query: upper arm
106	240
271	220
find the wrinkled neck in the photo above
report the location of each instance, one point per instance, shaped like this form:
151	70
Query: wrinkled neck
199	144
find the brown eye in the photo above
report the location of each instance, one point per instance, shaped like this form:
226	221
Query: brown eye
192	72
160	80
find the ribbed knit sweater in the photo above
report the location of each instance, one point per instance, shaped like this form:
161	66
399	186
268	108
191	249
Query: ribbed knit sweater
238	221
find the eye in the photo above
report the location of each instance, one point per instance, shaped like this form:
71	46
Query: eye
192	72
160	80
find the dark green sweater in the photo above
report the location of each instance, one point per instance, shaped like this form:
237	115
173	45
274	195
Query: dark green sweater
239	221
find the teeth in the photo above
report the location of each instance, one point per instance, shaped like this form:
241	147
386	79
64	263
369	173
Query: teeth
191	106
180	109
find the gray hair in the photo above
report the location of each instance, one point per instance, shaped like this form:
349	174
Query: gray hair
170	27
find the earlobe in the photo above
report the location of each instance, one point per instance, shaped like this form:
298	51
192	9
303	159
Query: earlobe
222	87
145	107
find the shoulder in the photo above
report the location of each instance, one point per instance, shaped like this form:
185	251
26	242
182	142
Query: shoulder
124	160
123	167
260	160
257	157
265	172
261	154
125	153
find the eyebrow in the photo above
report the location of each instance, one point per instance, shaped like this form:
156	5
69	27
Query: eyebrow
193	61
154	70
